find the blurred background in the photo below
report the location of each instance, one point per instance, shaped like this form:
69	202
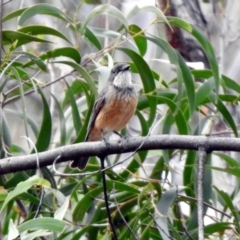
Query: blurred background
218	20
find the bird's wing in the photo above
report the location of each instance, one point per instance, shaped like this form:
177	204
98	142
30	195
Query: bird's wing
98	105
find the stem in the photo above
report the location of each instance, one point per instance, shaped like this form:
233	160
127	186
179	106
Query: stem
201	160
102	158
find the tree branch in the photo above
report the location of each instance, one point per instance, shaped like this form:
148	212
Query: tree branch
21	163
201	162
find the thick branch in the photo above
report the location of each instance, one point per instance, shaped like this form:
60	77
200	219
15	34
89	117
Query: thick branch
201	162
15	164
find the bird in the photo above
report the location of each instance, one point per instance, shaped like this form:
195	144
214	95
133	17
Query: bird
112	110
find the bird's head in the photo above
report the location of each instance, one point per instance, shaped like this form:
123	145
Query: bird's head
121	75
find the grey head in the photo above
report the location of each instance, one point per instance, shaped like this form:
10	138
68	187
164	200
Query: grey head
121	76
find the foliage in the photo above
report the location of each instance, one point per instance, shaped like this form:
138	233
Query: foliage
145	202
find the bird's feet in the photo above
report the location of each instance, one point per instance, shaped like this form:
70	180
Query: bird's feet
119	134
106	141
122	138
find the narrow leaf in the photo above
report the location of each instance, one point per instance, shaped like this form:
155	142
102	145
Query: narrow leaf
75	112
206	45
141	42
84	74
23	187
47	223
10	37
13	14
44	135
109	10
43	30
41	8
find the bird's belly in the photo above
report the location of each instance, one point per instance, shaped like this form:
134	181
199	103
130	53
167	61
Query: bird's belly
115	115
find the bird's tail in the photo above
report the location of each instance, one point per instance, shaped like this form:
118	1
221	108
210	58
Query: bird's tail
79	163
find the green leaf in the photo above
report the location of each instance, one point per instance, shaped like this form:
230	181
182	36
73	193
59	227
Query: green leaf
47	223
203	92
206	45
84	74
229	160
70	52
145	131
34	59
162	208
5	132
106	9
15	179
13	14
15	149
189	173
218	228
82	232
78	88
231	84
227	116
10	37
143	122
63	132
100	32
84	204
83	131
44	136
229	204
89	35
3	194
178	116
41	8
75	112
202	74
230	170
43	30
140	41
183	72
153	9
147	80
189	83
15	70
47	174
23	187
122	187
30	121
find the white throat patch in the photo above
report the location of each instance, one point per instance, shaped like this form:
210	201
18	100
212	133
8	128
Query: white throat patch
123	79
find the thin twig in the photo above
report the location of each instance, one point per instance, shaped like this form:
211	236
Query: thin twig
23	209
123	218
200	175
40	202
102	159
9	100
206	204
181	222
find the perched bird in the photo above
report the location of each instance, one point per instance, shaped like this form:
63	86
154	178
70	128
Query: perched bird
113	108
